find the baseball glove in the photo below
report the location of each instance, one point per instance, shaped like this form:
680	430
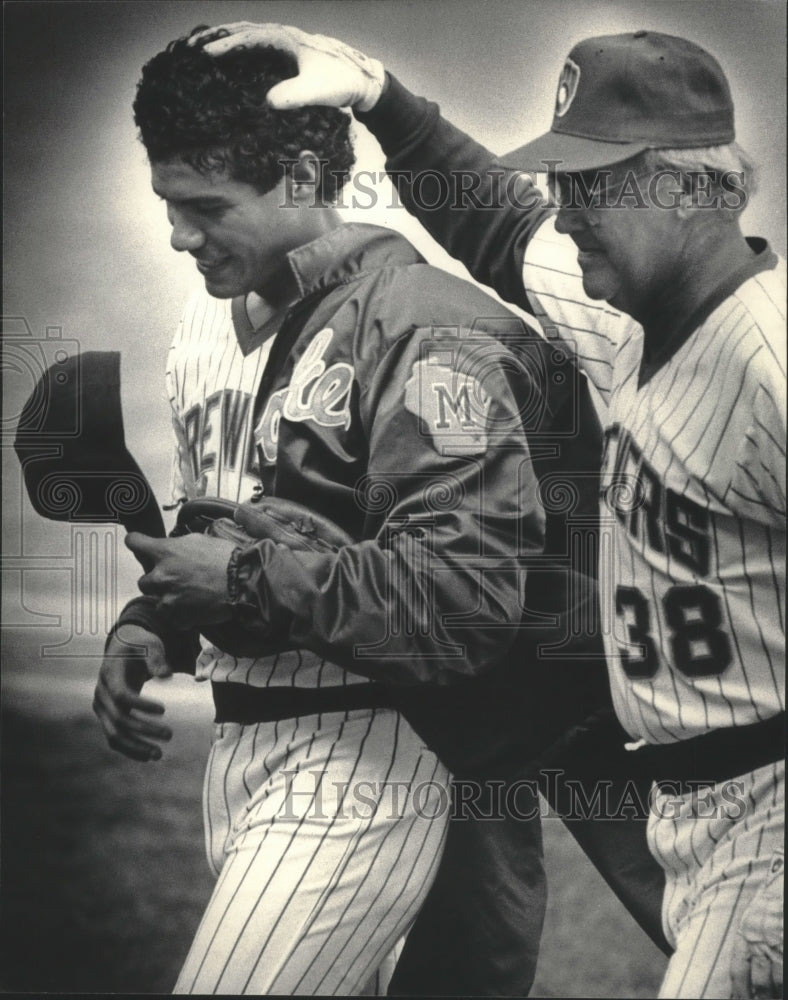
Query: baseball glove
284	522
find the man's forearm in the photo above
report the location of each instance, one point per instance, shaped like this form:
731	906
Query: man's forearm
181	647
383	614
481	213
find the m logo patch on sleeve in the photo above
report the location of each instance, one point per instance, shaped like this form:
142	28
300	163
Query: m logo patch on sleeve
451	404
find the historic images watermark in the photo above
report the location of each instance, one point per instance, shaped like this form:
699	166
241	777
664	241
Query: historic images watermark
498	188
310	793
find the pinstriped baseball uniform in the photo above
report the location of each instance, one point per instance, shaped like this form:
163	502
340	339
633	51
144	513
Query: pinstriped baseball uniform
718	846
325	831
692	572
693	500
309	852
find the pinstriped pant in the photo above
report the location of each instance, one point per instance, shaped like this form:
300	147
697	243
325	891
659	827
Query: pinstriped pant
325	833
717	847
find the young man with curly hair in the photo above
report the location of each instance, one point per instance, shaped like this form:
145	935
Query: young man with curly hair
326	363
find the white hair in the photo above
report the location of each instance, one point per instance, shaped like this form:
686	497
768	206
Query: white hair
726	169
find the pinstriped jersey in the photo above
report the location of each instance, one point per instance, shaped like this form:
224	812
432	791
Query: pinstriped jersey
692	560
212	386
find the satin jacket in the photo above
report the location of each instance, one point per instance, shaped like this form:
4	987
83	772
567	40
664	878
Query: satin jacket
389	404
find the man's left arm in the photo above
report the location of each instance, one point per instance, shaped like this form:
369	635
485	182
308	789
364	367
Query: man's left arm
758	484
449	503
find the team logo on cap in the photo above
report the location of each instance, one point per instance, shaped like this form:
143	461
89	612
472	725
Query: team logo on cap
567	87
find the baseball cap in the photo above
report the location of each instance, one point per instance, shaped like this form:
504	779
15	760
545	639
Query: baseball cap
621	94
71	443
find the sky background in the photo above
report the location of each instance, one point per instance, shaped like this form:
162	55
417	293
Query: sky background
87	256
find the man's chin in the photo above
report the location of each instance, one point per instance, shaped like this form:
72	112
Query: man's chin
218	293
597	285
221	289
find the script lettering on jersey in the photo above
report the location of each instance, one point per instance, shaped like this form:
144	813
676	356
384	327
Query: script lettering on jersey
317	392
651	512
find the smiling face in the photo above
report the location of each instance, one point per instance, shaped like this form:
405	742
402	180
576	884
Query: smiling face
237	236
626	246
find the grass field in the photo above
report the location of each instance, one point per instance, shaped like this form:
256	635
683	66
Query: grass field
104	877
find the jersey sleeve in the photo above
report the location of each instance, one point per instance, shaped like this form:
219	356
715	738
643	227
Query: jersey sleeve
496	223
451	518
758	486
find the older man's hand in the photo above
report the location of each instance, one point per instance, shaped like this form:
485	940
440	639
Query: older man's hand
331	73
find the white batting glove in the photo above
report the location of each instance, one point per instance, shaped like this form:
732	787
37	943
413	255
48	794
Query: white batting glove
757	960
330	72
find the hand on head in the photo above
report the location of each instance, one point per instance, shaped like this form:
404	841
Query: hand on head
330	72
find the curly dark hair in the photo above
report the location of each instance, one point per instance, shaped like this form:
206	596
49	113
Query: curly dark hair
211	113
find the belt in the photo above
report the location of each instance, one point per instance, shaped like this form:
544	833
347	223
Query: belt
717	755
247	705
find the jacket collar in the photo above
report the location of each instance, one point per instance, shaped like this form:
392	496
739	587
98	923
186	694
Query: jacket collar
339	256
346	253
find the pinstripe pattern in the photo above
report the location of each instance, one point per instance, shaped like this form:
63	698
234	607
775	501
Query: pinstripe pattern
326	832
553	280
704	435
205	359
692	575
678	430
314	887
717	853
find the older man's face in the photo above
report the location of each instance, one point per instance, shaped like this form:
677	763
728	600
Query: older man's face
627	235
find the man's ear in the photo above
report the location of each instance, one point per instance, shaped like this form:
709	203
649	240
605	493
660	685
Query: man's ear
306	177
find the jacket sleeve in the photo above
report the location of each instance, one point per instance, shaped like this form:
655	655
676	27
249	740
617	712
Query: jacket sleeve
451	519
497	224
480	212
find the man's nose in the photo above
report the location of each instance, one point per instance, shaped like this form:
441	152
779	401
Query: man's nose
185	235
572	220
